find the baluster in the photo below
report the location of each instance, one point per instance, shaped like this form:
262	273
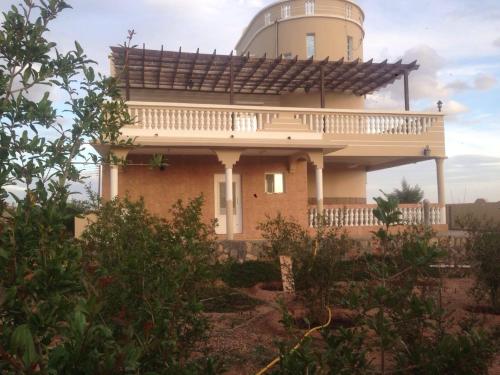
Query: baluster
218	120
356	217
161	119
248	122
143	118
167	119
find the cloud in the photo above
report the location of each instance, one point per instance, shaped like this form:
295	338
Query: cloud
454	107
496	42
484	82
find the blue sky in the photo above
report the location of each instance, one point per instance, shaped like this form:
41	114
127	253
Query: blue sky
457	43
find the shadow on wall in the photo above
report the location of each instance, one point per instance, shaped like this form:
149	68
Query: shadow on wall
480	210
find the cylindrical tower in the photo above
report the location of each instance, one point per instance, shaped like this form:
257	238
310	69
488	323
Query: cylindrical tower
307	28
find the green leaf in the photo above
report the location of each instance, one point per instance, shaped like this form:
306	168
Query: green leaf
79	49
22	342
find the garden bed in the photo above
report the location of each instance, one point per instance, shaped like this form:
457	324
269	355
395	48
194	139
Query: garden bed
246	339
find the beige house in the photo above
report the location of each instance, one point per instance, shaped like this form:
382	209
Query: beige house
277	126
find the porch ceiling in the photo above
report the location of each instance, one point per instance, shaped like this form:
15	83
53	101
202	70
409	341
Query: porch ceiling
374	163
177	70
251	149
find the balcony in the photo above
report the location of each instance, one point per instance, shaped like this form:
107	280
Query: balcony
362	215
172	120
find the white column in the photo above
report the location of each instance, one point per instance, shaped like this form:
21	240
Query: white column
319	190
441	188
113	181
229	204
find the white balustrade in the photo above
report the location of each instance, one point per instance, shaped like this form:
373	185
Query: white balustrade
198	117
362	216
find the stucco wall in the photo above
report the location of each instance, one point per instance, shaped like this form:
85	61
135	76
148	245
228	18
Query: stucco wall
341	185
329	22
189	176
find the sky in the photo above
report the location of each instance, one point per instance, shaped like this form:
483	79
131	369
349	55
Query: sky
457	44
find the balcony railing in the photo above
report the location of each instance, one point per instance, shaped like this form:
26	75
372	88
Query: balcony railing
362	215
195	118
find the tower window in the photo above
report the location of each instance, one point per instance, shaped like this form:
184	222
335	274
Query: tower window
286	11
309	7
267	19
310	45
350	48
348	10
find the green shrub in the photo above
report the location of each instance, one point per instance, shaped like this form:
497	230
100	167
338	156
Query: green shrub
316	258
483	250
247	274
150	274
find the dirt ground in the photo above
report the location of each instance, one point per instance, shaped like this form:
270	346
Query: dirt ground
246	340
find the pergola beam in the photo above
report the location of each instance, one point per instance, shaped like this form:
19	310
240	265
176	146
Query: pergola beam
177	70
257	66
176	67
208	68
301	82
191	70
273	66
285	71
221	73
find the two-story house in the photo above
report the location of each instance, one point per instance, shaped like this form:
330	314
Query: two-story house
279	125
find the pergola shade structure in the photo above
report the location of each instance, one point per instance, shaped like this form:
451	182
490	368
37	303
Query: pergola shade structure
177	70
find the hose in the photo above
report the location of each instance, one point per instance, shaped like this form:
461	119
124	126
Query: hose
310	332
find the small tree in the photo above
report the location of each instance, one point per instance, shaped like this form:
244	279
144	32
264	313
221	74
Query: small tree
408	194
45	324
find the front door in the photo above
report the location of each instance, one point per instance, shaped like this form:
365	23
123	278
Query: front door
220	203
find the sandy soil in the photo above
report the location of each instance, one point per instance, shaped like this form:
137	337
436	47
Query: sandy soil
247	340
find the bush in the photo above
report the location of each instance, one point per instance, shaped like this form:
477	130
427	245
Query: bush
316	258
397	314
483	250
247	274
150	273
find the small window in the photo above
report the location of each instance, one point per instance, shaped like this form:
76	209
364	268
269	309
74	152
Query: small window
309	7
286	11
350	48
348	10
311	45
275	183
267	19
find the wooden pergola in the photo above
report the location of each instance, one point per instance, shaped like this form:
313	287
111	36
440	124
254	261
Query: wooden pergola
177	70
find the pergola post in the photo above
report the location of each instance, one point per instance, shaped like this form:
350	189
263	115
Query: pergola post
441	188
231	82
322	86
407	90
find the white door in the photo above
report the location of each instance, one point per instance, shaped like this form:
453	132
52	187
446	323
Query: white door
220	203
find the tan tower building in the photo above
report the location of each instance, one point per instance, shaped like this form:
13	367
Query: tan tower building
278	126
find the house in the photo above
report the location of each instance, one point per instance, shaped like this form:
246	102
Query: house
279	125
